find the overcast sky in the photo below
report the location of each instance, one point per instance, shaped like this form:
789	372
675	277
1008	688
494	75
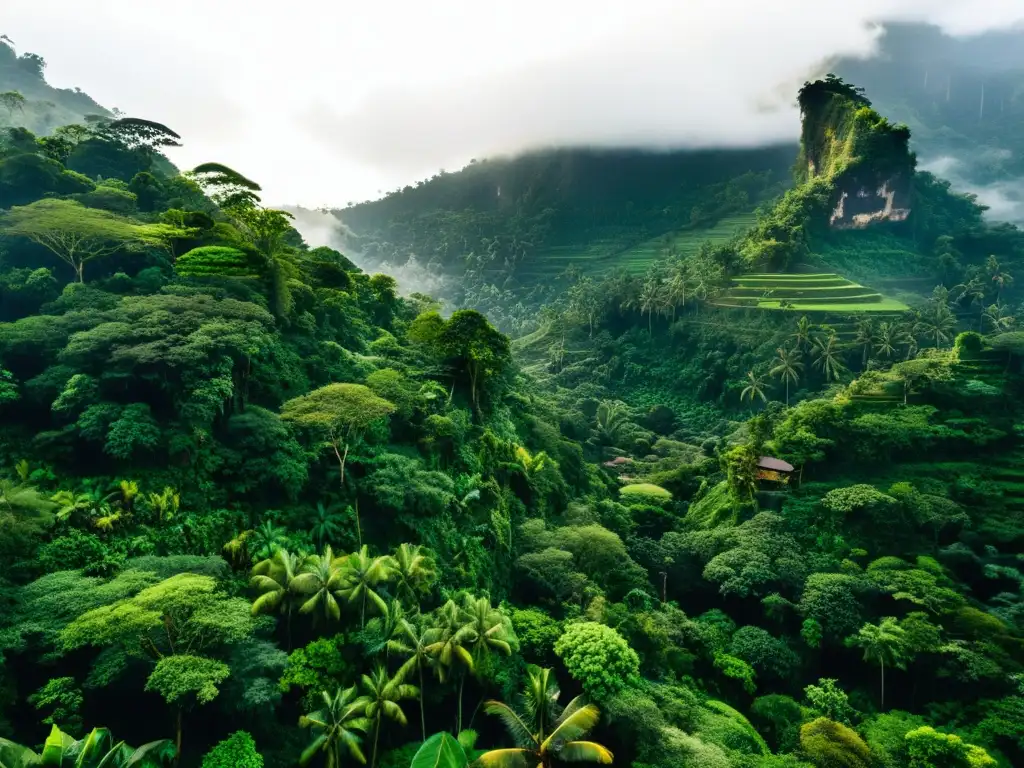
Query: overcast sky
326	101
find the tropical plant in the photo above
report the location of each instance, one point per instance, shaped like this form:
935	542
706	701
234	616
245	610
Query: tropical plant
321	583
413	571
543	731
865	338
382	694
336	727
448	641
275	579
361	575
882	643
413	641
326	527
787	366
802	335
266	539
611	422
888	338
754	388
996	276
828	356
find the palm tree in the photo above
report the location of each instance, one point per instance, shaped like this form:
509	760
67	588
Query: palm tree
974	292
647	300
71	505
997	278
336	727
321	582
361	575
936	324
414	641
865	339
888	337
802	336
999	318
610	422
786	366
275	578
327	525
544	732
447	642
828	357
882	643
382	697
676	291
754	388
382	630
413	571
266	539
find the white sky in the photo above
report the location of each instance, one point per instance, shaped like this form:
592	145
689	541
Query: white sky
328	102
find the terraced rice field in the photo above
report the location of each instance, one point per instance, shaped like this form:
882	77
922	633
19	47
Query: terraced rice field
819	292
602	256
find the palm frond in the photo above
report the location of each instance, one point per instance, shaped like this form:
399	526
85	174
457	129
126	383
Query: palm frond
574	725
514	724
585	752
508	758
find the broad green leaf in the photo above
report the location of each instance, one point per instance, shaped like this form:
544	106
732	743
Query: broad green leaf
441	750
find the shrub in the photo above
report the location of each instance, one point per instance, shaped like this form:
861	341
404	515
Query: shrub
645	493
598	658
236	751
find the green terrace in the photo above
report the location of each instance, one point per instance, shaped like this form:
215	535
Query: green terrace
814	292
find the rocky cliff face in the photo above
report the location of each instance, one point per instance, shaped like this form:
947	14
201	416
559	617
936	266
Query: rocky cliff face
864	157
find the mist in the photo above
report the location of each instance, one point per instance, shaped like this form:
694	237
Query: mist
319	228
1004	198
325	103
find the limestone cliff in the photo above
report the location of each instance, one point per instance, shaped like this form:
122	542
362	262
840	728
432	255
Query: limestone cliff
864	158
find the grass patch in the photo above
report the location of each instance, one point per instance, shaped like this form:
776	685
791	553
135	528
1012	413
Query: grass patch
817	292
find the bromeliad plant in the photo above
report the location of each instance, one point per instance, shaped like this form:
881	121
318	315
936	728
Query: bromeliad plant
543	731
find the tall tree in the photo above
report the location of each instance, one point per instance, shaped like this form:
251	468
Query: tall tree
274	578
543	731
802	336
339	413
865	338
828	357
382	695
337	726
787	366
754	388
449	639
413	572
321	582
414	641
11	101
475	346
882	643
77	235
361	575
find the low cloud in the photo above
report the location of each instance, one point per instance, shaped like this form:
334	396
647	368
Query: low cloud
325	102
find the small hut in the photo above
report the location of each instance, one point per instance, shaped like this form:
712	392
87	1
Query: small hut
772	470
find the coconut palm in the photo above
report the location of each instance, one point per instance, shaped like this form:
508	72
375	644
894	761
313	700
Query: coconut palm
676	291
382	694
997	278
802	336
266	539
936	324
336	727
275	578
361	576
754	388
320	583
328	525
998	318
382	630
413	572
787	366
888	338
543	731
865	339
448	641
413	640
611	422
828	356
882	643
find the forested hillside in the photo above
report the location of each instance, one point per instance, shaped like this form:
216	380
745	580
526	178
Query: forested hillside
732	509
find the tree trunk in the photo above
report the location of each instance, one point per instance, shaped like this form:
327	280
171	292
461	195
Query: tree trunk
288	627
359	528
458	720
177	740
376	736
787	390
79	271
423	715
882	662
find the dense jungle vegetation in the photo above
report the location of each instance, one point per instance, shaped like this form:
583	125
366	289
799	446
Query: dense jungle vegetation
259	509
